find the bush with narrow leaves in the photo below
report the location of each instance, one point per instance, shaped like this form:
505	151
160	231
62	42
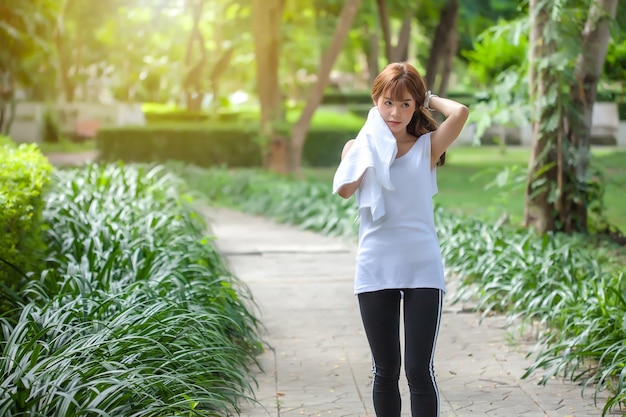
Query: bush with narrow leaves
135	315
24	176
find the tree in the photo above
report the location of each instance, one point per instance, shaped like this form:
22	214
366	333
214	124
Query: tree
282	155
443	48
195	80
300	129
25	27
266	27
400	51
79	51
563	90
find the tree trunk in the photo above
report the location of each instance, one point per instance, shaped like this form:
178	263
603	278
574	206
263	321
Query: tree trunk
595	39
383	15
67	88
449	54
537	209
218	70
192	83
300	129
267	15
400	51
441	42
371	51
557	192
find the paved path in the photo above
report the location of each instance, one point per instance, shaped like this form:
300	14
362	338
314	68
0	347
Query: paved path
64	159
319	364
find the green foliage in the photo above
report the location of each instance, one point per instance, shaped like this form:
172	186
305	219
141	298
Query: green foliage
477	16
24	177
541	282
230	144
615	64
136	313
6	141
323	146
538	281
356	97
560	183
24	31
51	128
497	50
199	144
307	204
190	116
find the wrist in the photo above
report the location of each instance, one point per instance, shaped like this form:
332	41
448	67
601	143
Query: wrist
429	96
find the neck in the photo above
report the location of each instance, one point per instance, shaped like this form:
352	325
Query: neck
404	137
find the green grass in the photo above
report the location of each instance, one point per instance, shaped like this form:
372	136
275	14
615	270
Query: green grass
464	182
67	146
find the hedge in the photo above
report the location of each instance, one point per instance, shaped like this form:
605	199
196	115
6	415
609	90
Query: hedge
356	98
191	116
234	145
24	175
198	144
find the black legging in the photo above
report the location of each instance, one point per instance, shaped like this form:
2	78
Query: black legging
380	311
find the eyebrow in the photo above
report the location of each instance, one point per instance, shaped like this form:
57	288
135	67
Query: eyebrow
405	100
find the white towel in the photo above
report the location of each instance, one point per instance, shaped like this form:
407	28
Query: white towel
373	150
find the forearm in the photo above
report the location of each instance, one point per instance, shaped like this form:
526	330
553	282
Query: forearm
347	190
447	107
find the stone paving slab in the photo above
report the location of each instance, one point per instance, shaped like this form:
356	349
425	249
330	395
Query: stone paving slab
319	363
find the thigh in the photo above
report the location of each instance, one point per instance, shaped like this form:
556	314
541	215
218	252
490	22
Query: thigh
422	316
380	312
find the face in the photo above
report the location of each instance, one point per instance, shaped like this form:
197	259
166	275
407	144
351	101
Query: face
397	114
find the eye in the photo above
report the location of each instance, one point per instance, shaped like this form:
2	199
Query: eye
387	102
406	105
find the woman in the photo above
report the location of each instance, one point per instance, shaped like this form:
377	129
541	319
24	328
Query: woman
398	254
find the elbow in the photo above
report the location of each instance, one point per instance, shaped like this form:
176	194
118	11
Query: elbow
463	112
345	192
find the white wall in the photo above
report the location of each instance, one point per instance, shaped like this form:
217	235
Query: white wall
29	117
605	126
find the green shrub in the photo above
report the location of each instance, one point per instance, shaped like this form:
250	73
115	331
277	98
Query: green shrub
176	116
6	141
200	144
51	128
355	97
212	144
136	313
621	108
192	116
494	54
24	176
323	145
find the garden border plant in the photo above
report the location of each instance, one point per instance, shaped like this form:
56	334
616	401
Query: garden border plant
24	177
135	312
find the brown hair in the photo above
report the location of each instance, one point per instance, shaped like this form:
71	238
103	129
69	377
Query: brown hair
396	79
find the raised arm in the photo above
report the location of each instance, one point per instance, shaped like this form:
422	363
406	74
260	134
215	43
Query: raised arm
456	115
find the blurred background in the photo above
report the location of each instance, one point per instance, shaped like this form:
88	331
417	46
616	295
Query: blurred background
282	84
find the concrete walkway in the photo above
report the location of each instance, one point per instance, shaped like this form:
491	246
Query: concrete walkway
319	364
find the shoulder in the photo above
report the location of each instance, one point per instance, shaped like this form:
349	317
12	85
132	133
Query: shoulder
347	147
424	139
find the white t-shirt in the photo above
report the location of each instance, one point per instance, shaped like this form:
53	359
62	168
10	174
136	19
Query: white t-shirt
401	250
